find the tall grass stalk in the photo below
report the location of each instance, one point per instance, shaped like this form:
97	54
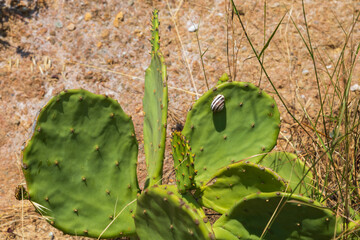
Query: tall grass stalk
334	129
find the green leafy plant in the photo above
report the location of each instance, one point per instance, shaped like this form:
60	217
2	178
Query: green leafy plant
80	167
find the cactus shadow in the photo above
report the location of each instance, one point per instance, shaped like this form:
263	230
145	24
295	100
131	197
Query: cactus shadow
219	120
20	10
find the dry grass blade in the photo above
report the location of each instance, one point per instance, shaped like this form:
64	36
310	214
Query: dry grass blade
192	82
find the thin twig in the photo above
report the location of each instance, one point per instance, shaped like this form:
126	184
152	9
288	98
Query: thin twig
125	75
201	56
192	82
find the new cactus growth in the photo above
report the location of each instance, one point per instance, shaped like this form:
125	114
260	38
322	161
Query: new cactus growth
183	162
292	169
80	165
277	216
223	78
155	104
234	182
248	125
163	214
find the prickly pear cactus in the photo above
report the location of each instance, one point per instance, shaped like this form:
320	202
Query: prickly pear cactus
80	165
353	230
183	162
295	217
248	125
234	182
155	103
162	213
292	169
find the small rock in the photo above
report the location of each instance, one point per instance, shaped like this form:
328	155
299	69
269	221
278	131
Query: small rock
355	87
99	44
58	24
193	27
305	72
105	34
51	235
52	40
137	32
87	16
110	61
119	18
53	33
42	31
106	17
71	27
88	75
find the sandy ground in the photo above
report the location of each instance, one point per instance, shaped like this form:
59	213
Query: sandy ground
102	46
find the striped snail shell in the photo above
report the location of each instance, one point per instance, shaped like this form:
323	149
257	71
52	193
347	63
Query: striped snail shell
218	103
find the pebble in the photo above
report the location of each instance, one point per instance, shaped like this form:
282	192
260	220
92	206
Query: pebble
105	34
58	24
71	27
88	16
193	27
355	87
119	18
42	31
137	32
52	40
305	72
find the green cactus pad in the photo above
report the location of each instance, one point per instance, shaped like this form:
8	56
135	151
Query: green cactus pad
155	103
162	213
234	182
353	230
292	169
248	125
183	162
80	165
296	217
222	234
